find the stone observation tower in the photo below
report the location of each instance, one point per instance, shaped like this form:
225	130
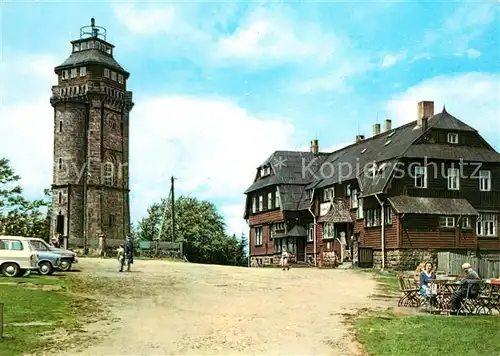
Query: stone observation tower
90	190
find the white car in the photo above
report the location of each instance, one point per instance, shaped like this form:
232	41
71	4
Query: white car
16	256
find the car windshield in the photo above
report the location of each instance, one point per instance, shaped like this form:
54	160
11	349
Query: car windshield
38	245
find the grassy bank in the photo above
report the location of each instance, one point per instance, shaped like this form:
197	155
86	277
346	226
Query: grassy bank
36	309
397	334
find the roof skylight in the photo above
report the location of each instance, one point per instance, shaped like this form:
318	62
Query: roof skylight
388	142
392	133
363	150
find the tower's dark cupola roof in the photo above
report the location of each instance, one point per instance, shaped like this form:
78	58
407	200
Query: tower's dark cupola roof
92	48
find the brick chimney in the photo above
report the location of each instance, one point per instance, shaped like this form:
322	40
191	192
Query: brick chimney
376	129
360	138
425	111
387	125
314	147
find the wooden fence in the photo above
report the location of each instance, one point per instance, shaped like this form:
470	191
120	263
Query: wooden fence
451	263
365	255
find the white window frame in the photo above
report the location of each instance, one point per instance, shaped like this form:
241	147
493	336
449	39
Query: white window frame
106	73
254	205
83	46
73	73
280	226
447	221
422	171
120	78
113	76
360	212
485	181
258	236
388	215
310	232
83	71
64	74
269	201
453	179
354	199
487	225
277	199
76	47
465	222
261	202
453	138
328	230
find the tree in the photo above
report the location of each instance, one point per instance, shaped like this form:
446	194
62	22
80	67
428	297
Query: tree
199	226
19	216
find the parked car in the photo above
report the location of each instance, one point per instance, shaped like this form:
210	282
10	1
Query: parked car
68	257
16	256
48	262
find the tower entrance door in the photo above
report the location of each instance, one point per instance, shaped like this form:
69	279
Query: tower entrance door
60	224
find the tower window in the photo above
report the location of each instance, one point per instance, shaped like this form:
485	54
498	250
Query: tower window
60	164
83	71
64	75
76	47
83	45
60	126
120	78
73	72
108	173
60	197
113	76
111	221
106	72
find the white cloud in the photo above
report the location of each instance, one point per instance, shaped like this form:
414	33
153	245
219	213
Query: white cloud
146	21
473	53
26	118
211	145
272	35
391	59
470	97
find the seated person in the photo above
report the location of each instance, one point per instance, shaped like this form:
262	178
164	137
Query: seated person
425	277
471	283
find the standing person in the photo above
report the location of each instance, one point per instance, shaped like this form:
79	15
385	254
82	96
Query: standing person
129	252
56	239
470	283
284	260
121	256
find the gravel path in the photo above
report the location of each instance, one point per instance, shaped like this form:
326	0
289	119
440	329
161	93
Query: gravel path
189	309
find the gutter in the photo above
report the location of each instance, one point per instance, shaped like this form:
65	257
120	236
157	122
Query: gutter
382	234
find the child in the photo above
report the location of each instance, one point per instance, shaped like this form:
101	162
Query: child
121	256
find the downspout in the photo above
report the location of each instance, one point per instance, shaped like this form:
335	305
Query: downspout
382	234
314	234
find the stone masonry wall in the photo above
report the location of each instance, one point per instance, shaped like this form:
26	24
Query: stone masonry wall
404	260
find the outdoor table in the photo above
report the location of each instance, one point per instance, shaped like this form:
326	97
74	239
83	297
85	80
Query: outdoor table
443	289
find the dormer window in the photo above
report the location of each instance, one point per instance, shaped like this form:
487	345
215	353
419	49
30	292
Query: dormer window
328	194
113	76
106	73
83	71
453	138
73	73
265	171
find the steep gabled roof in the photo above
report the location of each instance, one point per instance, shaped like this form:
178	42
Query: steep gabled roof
446	121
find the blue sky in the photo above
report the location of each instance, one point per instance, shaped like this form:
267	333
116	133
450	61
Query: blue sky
219	86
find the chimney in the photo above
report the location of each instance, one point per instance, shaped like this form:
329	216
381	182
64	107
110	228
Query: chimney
376	129
387	125
360	138
314	147
425	111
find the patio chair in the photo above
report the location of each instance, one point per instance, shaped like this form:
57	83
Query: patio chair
472	300
409	292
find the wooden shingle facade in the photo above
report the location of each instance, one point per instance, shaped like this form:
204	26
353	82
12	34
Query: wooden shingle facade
405	193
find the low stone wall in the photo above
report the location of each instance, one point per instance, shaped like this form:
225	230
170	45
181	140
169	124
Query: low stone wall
404	259
330	259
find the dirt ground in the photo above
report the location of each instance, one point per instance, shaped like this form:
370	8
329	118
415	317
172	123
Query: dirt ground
189	309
